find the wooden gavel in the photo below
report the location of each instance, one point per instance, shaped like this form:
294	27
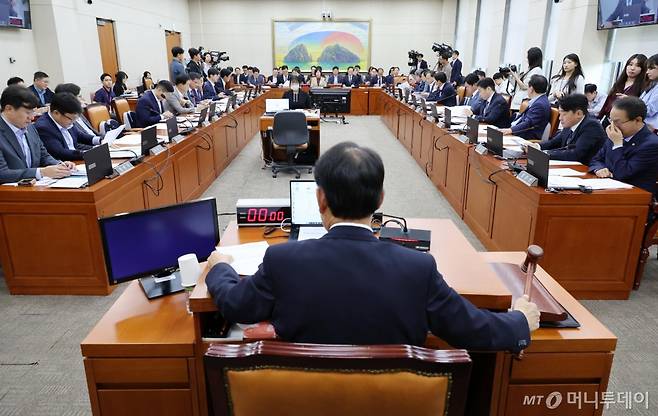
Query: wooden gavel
529	266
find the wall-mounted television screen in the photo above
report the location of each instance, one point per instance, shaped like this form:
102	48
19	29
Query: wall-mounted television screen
15	13
626	13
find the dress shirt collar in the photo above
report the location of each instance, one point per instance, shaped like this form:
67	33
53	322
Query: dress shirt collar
351	224
490	98
532	101
17	132
60	128
575	126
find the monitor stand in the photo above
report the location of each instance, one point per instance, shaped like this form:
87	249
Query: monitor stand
161	284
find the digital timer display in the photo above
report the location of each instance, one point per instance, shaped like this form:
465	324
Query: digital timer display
262	215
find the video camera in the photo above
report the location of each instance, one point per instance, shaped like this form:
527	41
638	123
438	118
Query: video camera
505	70
442	48
215	56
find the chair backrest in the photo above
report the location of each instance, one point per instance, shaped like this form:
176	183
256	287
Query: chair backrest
461	91
547	133
555	120
128	118
121	107
97	114
524	106
289	128
322	380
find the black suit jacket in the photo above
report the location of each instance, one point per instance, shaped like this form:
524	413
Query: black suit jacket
195	67
581	146
55	143
496	113
354	82
621	7
335	79
303	100
348	287
48	96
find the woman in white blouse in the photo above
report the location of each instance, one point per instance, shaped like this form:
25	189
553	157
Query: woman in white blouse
570	79
317	79
535	58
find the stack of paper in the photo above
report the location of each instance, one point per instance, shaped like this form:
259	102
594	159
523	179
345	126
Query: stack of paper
571	182
72	182
564	163
565	172
462	111
246	257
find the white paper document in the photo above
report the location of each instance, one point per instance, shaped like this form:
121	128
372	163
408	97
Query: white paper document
565	172
595	184
246	257
564	163
129	140
111	136
460	111
310	233
72	182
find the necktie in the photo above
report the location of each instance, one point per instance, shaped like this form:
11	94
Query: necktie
26	148
567	139
486	107
466	100
294	97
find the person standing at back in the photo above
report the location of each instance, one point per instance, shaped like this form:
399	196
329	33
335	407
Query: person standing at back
349	287
176	68
195	64
630	82
456	74
531	124
570	79
520	82
650	94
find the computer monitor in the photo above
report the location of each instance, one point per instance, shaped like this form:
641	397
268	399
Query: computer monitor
172	127
274	105
212	110
472	129
538	165
149	139
98	163
147	244
447	117
304	208
202	117
495	141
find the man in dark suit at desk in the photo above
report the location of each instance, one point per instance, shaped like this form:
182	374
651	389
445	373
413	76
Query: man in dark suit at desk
150	108
62	138
40	88
351	80
348	287
221	86
297	99
533	121
335	77
494	109
22	154
283	79
624	7
581	136
442	91
631	152
209	91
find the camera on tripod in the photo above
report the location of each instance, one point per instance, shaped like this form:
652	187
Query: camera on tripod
442	49
506	70
215	56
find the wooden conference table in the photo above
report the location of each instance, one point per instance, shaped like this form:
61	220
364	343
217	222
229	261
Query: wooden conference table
147	356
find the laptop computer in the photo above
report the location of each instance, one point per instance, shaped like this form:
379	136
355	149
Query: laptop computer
202	117
538	165
305	213
447	117
172	129
274	105
149	139
140	89
495	145
212	110
98	163
423	105
434	112
472	130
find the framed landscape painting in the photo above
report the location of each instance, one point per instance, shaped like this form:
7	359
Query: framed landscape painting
306	43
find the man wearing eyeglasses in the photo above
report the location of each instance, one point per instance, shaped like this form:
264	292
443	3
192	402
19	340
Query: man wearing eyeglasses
22	154
630	154
57	130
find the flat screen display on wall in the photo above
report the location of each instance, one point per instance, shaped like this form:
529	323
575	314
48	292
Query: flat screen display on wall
626	13
15	13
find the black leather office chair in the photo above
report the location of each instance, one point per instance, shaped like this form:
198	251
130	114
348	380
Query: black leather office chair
289	133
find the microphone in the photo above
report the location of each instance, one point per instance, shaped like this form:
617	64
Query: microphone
445	98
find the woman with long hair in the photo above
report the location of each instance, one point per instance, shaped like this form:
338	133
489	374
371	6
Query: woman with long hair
630	82
650	93
147	81
535	59
317	79
570	79
120	86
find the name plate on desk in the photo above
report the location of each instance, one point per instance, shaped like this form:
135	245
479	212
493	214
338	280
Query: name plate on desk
481	149
463	139
177	139
527	178
157	150
123	168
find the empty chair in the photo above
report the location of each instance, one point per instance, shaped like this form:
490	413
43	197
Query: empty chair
289	133
97	114
121	107
279	378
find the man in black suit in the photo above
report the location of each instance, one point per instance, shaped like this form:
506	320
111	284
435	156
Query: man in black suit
581	136
298	99
623	8
195	65
221	86
493	109
350	79
284	78
422	64
40	88
348	287
335	77
22	154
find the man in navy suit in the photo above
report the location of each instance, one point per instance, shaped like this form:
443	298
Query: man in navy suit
581	136
348	287
631	152
456	74
62	138
40	88
209	90
442	91
350	79
149	109
22	154
493	109
283	79
624	7
105	94
533	121
221	86
335	77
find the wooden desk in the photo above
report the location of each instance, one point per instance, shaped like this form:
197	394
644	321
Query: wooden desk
49	238
155	338
507	215
307	157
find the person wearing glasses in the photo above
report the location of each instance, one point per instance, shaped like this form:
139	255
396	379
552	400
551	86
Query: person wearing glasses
57	129
630	154
22	154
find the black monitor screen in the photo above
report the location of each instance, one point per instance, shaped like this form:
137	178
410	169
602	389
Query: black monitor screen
15	13
146	242
624	13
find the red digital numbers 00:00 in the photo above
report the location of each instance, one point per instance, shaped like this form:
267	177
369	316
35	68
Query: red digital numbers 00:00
264	215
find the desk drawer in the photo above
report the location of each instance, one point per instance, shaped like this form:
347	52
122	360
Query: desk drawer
165	402
140	371
561	366
552	400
